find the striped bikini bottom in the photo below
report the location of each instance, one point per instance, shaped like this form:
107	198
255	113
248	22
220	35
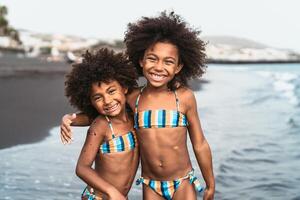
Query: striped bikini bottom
166	189
90	194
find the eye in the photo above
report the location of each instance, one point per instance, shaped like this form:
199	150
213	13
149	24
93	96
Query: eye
112	91
98	98
169	62
151	59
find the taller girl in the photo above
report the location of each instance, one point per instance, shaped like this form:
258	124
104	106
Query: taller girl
167	52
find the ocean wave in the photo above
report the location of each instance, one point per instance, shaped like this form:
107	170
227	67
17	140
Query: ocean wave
258	99
271	187
293	122
285	84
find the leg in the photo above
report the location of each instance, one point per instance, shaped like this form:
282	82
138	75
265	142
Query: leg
185	191
149	194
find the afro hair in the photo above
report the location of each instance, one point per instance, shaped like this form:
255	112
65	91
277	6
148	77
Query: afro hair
102	66
171	28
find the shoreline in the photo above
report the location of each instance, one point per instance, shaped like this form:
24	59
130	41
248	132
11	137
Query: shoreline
32	98
248	62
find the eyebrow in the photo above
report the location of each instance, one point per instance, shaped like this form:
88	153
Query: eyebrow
152	54
110	87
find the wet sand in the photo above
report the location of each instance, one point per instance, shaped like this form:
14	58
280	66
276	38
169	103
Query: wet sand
32	100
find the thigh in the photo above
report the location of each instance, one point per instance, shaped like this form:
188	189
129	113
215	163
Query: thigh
185	191
149	194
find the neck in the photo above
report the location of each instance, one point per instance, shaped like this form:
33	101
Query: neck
153	89
122	117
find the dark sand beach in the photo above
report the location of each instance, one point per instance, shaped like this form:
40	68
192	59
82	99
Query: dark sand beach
32	99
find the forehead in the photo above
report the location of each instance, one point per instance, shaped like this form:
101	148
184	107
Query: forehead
164	49
103	86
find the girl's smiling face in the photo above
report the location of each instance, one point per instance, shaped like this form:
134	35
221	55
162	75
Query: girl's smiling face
108	98
160	64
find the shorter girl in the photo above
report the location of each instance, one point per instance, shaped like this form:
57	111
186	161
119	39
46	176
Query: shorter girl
97	86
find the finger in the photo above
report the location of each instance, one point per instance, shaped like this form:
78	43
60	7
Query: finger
64	141
65	138
73	116
68	122
67	134
62	138
67	128
67	118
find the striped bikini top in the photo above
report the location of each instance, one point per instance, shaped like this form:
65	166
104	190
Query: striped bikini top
120	143
159	118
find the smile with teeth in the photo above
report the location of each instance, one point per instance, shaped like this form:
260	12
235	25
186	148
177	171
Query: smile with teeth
157	77
111	108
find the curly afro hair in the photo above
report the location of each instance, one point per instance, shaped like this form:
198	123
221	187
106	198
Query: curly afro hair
102	66
167	28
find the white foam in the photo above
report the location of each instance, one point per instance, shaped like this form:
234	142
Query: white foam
284	83
283	86
286	76
265	74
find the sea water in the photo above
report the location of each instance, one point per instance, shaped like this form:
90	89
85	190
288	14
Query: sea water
250	115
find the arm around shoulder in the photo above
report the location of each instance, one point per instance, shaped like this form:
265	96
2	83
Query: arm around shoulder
69	120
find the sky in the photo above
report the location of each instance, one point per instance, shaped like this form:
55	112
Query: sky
271	22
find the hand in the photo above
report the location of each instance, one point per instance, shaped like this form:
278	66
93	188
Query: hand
209	194
65	128
116	195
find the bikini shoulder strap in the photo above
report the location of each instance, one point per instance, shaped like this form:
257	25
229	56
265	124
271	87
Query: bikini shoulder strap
138	99
177	100
110	126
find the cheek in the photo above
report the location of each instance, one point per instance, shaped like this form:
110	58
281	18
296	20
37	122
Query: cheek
98	106
121	97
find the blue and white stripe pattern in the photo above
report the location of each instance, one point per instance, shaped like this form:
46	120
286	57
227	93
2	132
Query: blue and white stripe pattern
159	118
118	144
166	189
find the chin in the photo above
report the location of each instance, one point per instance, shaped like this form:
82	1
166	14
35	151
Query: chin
158	84
114	114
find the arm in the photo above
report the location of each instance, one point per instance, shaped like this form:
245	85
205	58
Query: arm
69	120
200	145
87	156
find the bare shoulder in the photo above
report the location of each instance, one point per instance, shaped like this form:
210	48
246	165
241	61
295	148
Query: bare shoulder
99	126
131	97
185	94
186	98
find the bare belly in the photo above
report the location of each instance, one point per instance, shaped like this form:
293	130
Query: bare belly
118	169
164	153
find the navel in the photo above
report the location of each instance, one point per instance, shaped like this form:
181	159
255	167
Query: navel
160	163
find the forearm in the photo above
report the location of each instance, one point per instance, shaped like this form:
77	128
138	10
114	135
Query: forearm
81	120
88	175
204	159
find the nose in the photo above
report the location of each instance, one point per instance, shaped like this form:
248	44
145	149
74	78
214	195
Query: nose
159	66
107	99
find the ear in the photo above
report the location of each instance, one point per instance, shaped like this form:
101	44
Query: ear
178	68
125	90
141	63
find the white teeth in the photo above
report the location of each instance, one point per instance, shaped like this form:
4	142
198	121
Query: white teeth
112	108
157	77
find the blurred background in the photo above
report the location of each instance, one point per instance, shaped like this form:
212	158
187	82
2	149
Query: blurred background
248	100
